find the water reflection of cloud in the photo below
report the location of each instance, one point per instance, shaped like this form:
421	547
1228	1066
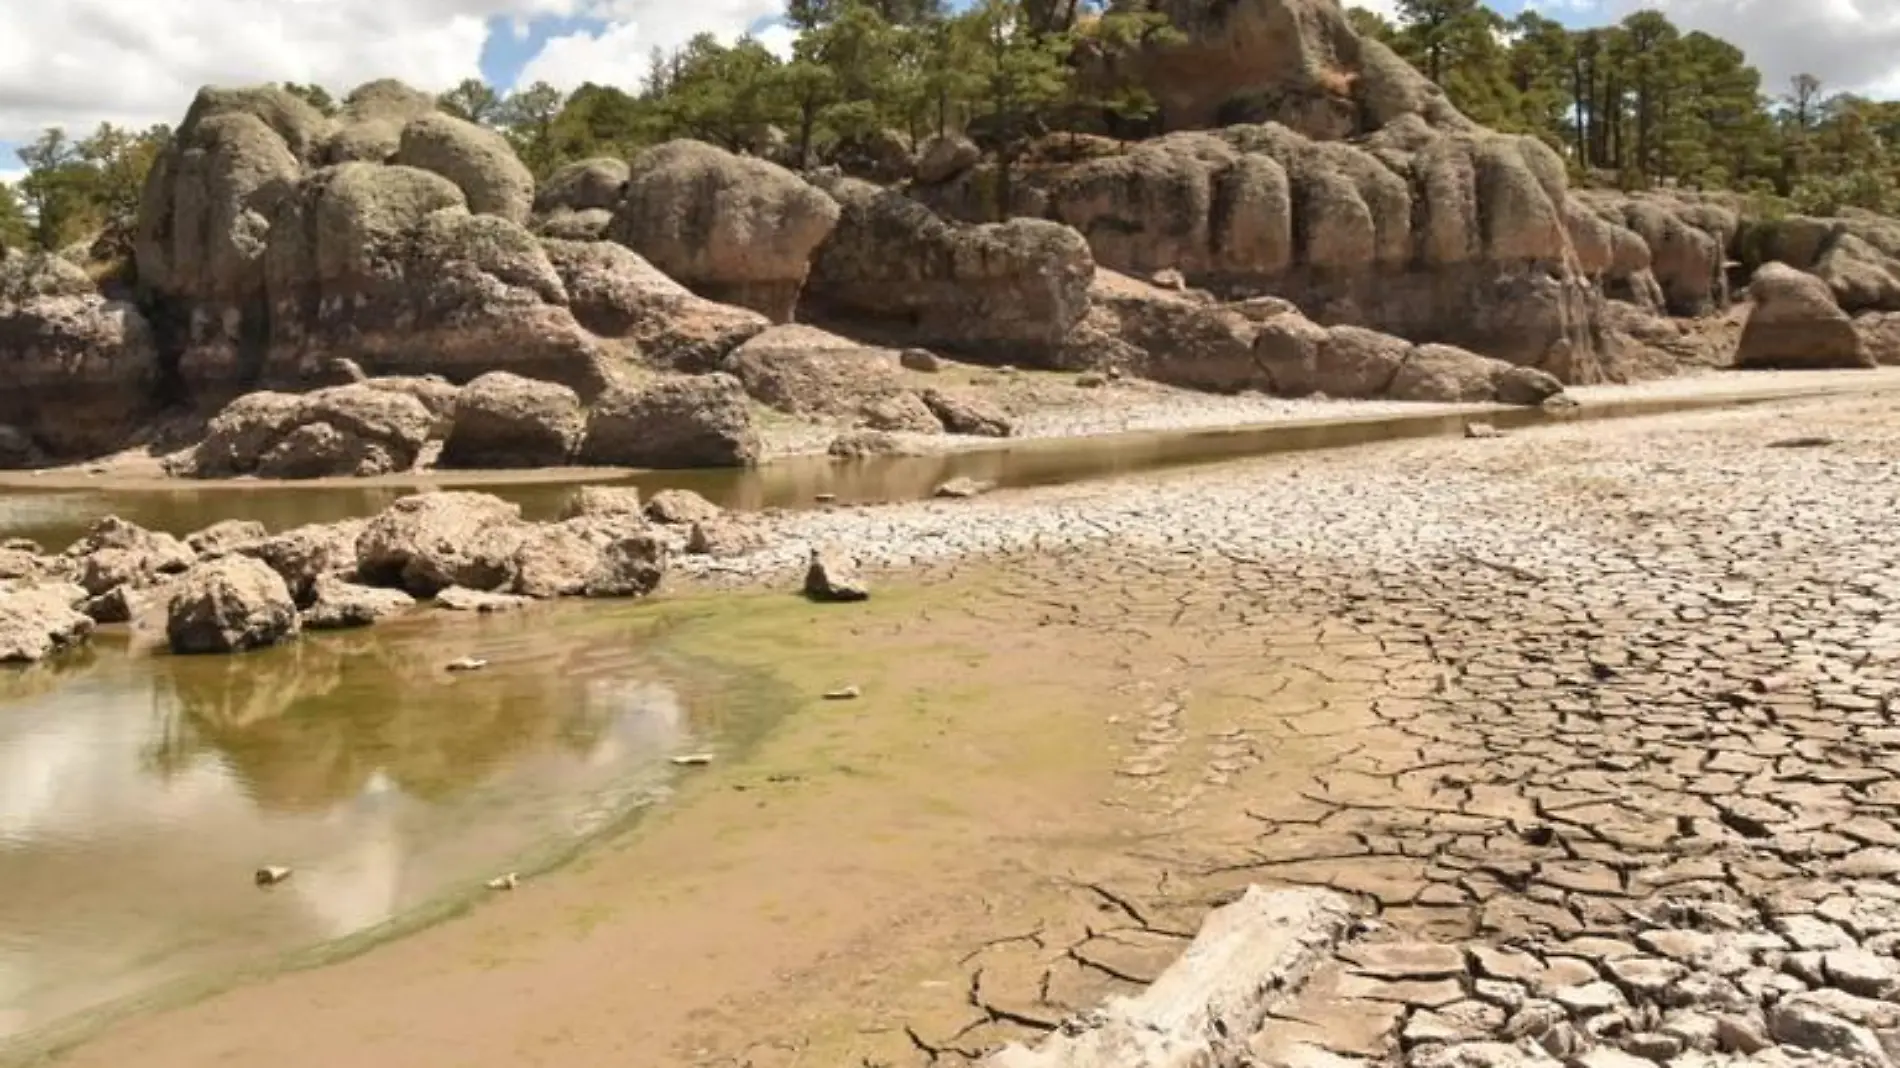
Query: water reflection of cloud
360	884
644	718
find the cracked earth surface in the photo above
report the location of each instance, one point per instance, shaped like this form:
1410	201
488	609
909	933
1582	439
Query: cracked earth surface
1617	725
1599	725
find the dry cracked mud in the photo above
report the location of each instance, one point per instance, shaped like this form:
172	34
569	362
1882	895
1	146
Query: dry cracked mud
1614	722
1599	724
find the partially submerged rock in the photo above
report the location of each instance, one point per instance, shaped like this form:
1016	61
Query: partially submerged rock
724	536
963	414
678	507
431	541
602	501
226	536
629	567
305	555
114	552
479	602
39	621
339	605
230	605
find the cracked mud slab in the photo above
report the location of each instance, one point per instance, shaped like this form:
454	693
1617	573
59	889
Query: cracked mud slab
1602	722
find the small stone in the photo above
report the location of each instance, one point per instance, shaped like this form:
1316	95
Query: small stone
1811	441
271	876
1464	1021
481	602
693	760
504	882
830	578
1696	1030
1504	994
1812	933
920	360
1796	1021
1647	976
845	693
466	663
1481	431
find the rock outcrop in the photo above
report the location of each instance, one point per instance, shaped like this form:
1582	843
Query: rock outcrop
80	369
273	240
1006	292
698	421
1795	323
735	229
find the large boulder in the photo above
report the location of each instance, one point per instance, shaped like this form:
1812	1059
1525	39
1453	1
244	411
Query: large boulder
504	420
431	541
230	605
1795	323
475	158
345	430
584	185
736	229
1165	336
39	621
697	421
114	552
1006	292
805	371
616	294
81	369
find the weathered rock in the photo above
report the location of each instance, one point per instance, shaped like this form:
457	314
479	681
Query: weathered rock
339	605
735	229
629	567
1795	323
433	392
1879	336
1526	385
945	157
360	429
224	537
967	415
81	369
602	501
829	577
961	488
864	443
431	541
230	605
1167	337
615	293
901	412
1447	374
802	370
1804	1022
479	602
584	185
702	421
723	536
921	360
504	420
1009	291
39	621
556	561
476	158
563	225
306	554
114	552
678	507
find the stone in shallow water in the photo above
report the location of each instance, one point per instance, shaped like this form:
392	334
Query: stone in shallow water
462	599
830	577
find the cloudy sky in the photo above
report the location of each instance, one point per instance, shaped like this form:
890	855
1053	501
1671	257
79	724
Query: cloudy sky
74	63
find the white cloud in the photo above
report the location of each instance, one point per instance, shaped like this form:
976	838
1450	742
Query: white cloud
74	63
617	54
1848	44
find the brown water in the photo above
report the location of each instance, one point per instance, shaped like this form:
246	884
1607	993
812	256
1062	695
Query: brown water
138	793
56	517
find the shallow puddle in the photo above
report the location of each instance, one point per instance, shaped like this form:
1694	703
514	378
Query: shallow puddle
139	793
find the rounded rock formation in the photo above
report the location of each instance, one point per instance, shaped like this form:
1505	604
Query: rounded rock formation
505	420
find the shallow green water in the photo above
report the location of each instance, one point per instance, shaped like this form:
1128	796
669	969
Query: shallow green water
138	793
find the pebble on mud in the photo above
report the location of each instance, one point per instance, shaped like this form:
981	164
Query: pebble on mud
271	876
962	488
467	663
693	760
505	882
844	693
